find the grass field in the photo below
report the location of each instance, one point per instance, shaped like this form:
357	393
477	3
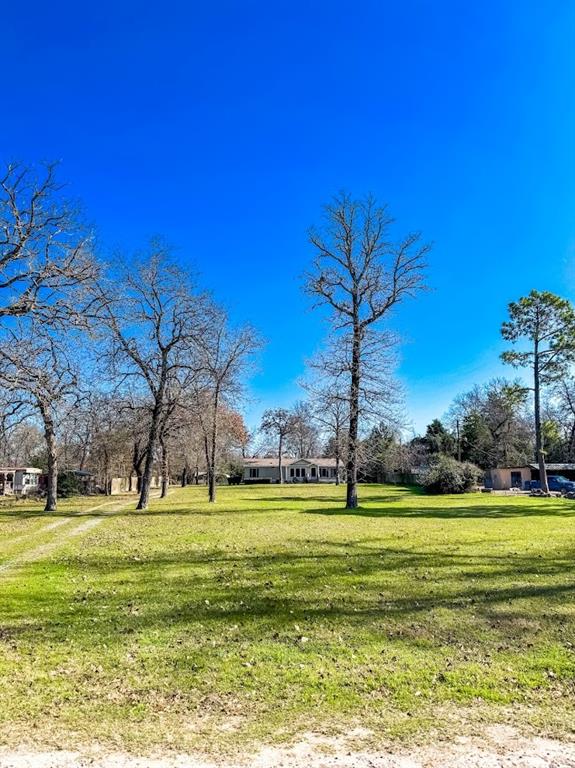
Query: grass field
275	611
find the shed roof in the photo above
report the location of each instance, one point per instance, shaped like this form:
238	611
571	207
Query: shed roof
549	467
556	467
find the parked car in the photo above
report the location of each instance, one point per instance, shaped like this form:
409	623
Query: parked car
556	483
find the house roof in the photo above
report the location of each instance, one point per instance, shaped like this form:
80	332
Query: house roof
289	461
31	470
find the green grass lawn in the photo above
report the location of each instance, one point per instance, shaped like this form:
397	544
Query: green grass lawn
275	611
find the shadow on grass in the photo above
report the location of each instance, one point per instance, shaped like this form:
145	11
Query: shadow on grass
379	502
393	494
517	615
562	509
25	513
358	586
551	507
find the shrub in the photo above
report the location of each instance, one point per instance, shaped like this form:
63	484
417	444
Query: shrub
68	485
235	470
447	475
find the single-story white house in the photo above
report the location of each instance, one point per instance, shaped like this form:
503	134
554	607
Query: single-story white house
19	480
312	470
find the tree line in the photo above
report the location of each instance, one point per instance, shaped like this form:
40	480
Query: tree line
128	363
505	422
131	363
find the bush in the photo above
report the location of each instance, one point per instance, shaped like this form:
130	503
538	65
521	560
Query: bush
235	470
446	475
68	485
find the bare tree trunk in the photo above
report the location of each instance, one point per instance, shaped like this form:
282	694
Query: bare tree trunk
83	456
280	449
207	457
146	478
153	436
137	461
107	480
213	449
540	454
145	481
337	438
52	481
64	451
185	473
351	496
211	486
165	470
52	461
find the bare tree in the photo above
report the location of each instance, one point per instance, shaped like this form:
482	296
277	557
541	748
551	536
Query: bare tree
492	424
380	396
172	424
46	262
109	449
77	434
38	367
154	318
330	406
360	274
303	441
107	432
21	440
133	418
45	253
164	435
183	441
278	423
225	358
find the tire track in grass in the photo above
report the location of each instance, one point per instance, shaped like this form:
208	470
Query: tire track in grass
45	549
36	553
44	529
57	523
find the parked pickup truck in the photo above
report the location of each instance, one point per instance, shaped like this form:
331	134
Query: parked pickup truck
556	483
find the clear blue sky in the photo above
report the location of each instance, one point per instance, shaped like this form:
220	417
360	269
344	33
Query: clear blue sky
224	126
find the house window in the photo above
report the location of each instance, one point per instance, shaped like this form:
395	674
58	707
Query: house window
323	472
313	472
254	472
291	472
